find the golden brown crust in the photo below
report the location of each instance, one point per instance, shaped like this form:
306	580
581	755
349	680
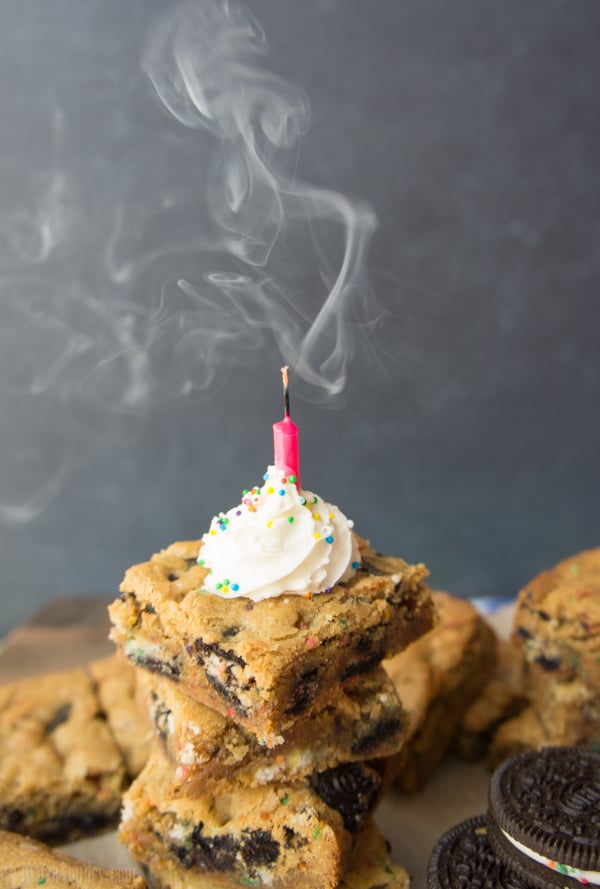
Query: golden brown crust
371	866
557	618
115	682
28	864
266	663
61	772
517	735
210	753
279	835
437	678
501	698
557	627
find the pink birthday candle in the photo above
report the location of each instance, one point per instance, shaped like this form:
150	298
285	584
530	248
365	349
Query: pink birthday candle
285	438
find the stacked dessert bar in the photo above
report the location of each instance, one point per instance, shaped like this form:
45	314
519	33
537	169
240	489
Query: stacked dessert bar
272	719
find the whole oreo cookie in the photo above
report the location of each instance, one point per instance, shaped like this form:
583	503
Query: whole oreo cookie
463	858
544	816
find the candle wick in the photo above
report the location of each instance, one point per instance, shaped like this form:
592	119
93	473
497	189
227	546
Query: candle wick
286	391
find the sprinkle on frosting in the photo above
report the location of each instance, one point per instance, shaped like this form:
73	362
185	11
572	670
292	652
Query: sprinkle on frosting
274	542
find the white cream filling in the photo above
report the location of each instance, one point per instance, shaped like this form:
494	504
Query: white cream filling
591	877
179	833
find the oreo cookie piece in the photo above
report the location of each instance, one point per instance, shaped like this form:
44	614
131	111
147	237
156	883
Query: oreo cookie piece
544	816
463	858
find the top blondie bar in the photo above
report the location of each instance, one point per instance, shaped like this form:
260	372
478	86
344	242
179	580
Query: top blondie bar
267	663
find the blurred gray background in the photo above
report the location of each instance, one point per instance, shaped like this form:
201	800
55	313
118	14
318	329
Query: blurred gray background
160	258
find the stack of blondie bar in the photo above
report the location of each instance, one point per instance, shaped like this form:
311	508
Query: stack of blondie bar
272	721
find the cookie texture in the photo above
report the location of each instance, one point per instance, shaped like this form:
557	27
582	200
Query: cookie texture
114	682
501	698
266	664
29	864
437	678
546	805
272	836
520	734
370	867
210	753
61	771
557	626
463	858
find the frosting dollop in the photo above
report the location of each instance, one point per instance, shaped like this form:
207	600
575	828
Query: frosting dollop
278	540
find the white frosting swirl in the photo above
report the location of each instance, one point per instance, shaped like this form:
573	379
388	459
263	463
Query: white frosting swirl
278	540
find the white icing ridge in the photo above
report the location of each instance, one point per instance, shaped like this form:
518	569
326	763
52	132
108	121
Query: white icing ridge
278	540
586	877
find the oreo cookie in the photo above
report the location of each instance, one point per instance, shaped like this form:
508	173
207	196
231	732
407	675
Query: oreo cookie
464	859
544	816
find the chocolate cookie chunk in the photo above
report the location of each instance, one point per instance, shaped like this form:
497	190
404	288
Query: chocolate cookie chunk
463	858
544	816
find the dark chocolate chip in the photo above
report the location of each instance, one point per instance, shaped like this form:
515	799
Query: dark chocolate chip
383	731
363	665
230	631
523	633
59	716
549	664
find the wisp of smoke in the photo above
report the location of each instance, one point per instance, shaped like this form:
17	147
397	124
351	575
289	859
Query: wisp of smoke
104	312
205	62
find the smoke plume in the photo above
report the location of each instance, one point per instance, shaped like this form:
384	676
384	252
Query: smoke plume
122	288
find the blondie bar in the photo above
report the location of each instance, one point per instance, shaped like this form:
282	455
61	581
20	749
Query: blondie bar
437	679
268	663
501	698
371	867
211	753
557	626
273	836
61	772
28	864
114	680
557	619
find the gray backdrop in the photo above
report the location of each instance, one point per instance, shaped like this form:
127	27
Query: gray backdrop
160	259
